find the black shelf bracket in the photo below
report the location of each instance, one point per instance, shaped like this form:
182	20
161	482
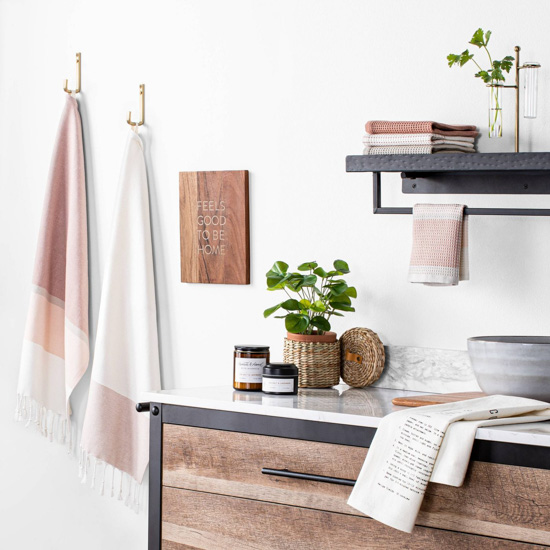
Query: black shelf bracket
379	209
466	174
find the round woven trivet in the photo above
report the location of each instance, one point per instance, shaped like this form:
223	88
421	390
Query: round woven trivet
362	357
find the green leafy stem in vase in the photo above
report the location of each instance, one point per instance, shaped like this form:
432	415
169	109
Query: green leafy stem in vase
493	75
320	294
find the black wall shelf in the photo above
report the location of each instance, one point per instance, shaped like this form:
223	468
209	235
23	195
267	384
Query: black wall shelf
468	173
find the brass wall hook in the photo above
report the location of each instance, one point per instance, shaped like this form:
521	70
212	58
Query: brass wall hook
77	89
141	108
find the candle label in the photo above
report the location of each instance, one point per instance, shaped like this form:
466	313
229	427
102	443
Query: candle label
249	371
278	385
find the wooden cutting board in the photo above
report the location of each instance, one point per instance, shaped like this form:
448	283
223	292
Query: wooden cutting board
436	399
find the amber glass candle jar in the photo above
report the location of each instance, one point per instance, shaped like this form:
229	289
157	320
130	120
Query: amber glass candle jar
248	365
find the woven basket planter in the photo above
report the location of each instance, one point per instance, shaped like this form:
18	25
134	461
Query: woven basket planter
317	359
363	357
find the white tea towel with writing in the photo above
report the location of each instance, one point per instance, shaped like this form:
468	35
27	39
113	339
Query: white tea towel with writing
115	436
431	443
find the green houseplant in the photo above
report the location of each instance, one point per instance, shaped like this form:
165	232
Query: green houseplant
313	296
493	76
319	295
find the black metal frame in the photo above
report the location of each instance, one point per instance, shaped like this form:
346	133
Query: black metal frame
489	163
155	476
476	174
377	207
512	454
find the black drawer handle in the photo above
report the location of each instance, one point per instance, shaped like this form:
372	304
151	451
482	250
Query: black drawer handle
309	477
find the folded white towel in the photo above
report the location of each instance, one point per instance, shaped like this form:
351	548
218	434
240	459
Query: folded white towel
416	149
416	139
413	447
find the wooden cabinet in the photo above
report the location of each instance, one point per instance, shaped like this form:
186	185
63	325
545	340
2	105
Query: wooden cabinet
193	519
231	464
211	492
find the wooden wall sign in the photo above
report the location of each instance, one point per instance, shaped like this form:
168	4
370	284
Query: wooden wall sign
214	232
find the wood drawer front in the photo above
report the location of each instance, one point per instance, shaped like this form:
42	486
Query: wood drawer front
231	463
212	522
495	500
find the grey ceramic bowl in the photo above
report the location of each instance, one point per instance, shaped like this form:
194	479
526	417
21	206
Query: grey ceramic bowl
512	365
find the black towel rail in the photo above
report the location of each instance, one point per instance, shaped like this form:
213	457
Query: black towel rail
476	174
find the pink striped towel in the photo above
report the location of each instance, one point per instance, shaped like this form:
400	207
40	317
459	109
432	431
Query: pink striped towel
440	245
419	127
55	347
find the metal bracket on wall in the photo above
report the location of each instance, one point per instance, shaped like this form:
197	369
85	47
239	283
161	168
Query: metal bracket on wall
472	174
411	186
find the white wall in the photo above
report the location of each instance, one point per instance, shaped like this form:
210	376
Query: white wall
282	89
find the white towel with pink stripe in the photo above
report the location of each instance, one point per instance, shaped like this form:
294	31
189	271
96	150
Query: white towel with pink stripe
440	245
115	437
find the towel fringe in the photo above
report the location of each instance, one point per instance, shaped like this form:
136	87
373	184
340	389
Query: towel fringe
112	481
95	460
85	469
63	431
69	435
49	423
136	496
80	463
123	486
102	488
18	407
127	492
120	487
58	428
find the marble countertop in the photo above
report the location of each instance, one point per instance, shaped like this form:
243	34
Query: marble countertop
339	405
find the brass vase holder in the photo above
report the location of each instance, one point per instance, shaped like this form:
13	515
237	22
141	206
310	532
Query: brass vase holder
515	86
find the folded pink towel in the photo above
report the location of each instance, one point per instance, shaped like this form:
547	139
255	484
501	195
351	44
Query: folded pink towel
440	245
418	127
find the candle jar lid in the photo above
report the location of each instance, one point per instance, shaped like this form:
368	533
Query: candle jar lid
252	348
281	369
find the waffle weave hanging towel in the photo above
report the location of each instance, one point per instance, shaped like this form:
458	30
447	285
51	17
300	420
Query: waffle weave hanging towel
440	245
